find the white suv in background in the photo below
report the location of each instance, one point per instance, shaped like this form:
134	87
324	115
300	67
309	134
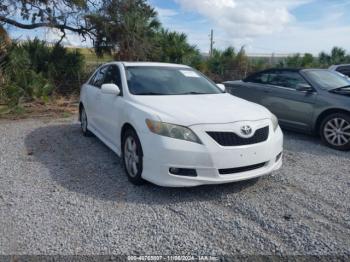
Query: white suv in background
174	127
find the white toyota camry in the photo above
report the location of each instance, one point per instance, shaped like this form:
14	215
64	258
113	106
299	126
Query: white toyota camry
174	127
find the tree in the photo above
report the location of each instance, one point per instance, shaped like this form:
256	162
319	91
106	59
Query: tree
307	60
64	15
294	61
324	59
125	27
173	47
242	63
338	55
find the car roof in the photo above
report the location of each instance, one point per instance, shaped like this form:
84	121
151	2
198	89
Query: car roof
293	69
154	64
336	66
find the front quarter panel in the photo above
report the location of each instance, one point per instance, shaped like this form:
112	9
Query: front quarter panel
83	94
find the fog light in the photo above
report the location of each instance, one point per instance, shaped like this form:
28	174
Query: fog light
174	170
183	171
279	156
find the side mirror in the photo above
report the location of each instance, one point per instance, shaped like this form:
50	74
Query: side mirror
111	89
304	88
222	87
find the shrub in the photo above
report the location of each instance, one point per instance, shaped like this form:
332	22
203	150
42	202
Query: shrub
20	80
33	70
65	69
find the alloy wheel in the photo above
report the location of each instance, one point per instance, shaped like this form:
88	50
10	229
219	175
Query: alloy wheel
131	157
83	119
337	131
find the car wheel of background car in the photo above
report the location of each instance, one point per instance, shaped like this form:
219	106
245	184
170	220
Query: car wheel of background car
84	123
133	157
335	131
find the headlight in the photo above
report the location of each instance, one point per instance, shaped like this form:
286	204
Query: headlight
274	122
173	131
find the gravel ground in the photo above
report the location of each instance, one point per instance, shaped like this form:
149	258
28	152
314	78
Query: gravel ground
62	193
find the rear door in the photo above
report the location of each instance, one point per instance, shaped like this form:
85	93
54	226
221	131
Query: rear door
293	108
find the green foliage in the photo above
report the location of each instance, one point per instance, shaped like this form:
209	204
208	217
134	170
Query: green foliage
227	64
173	47
125	28
33	69
337	56
20	80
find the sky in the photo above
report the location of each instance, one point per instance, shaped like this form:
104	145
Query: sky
261	26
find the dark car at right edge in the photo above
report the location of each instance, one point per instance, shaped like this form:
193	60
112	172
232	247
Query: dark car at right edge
313	101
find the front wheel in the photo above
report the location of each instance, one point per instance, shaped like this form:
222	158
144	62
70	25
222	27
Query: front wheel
133	157
335	131
84	123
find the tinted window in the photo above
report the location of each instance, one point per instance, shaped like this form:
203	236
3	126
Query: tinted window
97	80
168	81
113	76
287	79
344	70
261	78
91	82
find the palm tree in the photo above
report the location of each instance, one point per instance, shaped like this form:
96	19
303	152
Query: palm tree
174	47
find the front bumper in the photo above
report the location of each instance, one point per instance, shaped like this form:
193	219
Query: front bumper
162	153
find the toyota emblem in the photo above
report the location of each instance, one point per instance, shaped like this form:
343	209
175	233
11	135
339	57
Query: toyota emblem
246	130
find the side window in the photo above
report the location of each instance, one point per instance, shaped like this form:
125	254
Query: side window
344	70
91	82
288	79
113	76
97	80
260	78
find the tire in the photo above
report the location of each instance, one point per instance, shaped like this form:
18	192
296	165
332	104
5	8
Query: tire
84	123
133	157
335	131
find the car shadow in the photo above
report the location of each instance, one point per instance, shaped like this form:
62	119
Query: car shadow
86	166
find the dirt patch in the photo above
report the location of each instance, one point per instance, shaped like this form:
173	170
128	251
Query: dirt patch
57	107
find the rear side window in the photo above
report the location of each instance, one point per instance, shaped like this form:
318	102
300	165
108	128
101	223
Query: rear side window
260	78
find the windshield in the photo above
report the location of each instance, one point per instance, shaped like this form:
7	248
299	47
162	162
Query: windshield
168	81
327	79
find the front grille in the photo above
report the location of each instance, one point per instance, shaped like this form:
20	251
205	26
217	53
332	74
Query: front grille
231	139
241	169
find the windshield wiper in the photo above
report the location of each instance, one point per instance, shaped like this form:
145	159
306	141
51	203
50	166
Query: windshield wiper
342	87
193	93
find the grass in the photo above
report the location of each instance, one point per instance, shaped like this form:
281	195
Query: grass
91	57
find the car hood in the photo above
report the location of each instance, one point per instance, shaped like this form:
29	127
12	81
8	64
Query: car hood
190	110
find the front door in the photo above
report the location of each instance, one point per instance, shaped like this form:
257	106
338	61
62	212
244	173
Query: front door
111	107
293	108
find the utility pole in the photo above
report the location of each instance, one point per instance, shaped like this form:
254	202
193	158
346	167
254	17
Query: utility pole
211	42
